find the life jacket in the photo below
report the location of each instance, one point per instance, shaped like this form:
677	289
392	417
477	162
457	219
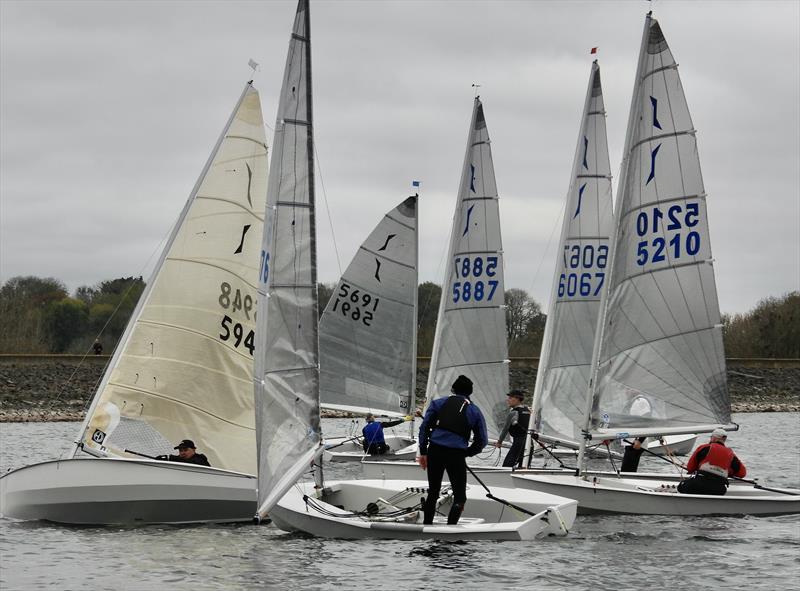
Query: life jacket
523	420
373	432
718	460
452	416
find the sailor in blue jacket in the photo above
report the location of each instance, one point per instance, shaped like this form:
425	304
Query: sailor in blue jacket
444	445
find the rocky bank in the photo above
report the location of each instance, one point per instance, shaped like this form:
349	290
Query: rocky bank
53	389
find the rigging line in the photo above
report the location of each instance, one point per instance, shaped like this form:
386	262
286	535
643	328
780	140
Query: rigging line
327	209
557	224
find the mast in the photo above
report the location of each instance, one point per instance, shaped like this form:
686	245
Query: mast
286	376
412	393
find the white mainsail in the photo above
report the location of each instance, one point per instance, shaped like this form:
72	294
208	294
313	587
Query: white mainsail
286	368
562	379
659	360
367	333
183	368
471	334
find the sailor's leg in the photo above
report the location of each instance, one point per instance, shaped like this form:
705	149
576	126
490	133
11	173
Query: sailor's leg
457	473
436	469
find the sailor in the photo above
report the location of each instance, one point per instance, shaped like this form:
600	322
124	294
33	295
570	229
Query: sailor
187	453
374	443
711	465
632	455
519	417
444	445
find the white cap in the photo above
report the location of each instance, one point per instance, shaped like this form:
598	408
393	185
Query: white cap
720	433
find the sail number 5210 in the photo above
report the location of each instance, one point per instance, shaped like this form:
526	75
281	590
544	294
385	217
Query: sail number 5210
471	270
677	219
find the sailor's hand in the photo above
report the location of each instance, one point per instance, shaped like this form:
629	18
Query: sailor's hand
498	444
423	462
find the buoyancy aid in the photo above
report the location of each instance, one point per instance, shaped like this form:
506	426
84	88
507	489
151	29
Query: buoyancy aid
452	416
373	432
523	420
715	459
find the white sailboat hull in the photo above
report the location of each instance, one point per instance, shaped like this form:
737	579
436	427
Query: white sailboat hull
344	449
679	445
645	495
107	491
483	519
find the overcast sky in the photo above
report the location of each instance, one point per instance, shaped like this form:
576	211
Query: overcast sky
108	111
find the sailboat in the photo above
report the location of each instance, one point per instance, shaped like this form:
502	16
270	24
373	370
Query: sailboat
581	265
659	336
368	335
471	337
183	368
287	383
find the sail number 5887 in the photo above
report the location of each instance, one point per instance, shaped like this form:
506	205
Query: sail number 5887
470	269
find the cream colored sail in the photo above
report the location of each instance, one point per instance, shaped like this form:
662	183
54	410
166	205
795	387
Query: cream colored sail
183	368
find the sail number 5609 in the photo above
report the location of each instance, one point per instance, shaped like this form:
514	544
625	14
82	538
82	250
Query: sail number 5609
472	288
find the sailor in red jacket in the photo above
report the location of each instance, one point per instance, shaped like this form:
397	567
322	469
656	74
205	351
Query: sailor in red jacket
711	465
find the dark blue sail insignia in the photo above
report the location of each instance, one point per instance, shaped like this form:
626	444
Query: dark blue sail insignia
249	183
466	225
472	178
580	197
377	270
654	102
585	151
241	242
385	244
653	164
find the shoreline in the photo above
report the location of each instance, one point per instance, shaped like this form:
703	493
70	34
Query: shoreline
59	388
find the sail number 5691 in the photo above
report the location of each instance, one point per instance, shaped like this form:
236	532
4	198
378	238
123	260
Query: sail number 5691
355	304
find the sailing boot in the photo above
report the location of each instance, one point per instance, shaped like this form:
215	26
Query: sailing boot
455	513
429	512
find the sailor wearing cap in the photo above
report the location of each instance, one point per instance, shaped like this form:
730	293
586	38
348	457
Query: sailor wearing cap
187	453
711	465
444	444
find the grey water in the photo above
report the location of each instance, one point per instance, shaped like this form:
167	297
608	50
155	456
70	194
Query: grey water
601	552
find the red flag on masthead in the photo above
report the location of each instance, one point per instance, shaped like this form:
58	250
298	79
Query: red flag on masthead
594	50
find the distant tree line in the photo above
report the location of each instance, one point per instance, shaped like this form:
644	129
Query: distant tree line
39	316
770	330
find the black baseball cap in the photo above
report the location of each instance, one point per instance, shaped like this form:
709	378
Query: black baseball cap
186	443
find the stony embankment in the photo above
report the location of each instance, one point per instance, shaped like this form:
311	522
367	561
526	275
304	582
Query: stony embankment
58	388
